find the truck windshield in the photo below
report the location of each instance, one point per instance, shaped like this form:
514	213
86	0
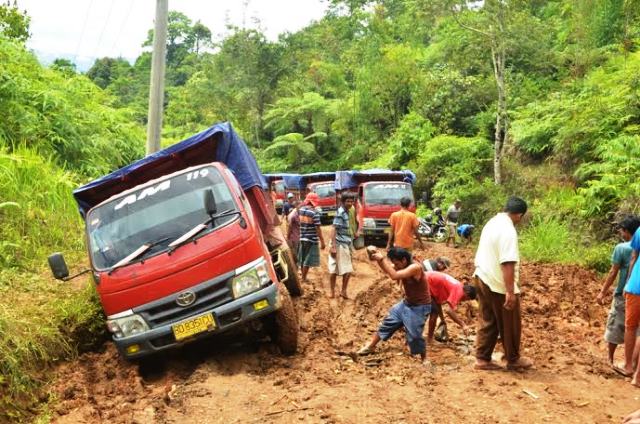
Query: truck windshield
278	186
325	190
155	215
387	193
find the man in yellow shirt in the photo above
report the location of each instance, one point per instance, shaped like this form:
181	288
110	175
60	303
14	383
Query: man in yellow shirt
404	225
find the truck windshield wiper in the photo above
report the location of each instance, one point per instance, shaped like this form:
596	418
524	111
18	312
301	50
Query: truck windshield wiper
189	235
137	253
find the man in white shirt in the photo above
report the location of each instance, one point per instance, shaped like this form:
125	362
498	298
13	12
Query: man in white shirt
497	262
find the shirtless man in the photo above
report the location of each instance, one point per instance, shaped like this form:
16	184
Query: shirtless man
411	311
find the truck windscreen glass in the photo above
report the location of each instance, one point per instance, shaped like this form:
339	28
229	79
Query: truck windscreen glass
325	191
388	194
279	186
163	211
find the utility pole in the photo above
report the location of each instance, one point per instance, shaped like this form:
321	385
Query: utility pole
156	89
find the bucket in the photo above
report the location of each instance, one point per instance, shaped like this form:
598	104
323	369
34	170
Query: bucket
358	242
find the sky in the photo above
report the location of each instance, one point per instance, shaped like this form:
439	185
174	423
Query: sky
84	30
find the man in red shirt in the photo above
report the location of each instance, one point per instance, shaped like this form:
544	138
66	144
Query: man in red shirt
446	295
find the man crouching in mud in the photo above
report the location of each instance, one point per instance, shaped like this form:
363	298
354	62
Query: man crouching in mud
411	312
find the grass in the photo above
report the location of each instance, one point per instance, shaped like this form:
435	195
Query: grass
41	320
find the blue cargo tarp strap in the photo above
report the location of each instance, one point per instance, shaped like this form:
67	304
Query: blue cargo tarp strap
220	143
351	179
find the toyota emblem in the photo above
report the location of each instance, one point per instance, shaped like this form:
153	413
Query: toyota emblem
186	298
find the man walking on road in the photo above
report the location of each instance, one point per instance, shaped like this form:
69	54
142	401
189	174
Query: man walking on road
452	221
341	246
497	271
310	234
404	225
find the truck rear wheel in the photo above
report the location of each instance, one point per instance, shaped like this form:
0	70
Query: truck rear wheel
285	331
292	283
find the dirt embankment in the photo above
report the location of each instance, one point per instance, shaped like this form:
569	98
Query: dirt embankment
237	380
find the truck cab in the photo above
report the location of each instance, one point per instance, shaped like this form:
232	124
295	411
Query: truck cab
326	199
379	193
184	244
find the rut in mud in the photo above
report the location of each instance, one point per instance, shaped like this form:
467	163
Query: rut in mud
240	380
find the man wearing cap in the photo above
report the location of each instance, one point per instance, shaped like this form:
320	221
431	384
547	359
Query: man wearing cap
287	206
310	235
341	245
440	263
497	270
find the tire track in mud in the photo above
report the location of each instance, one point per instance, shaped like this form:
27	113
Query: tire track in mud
240	380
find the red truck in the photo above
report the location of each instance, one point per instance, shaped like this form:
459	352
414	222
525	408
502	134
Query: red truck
323	184
185	243
379	193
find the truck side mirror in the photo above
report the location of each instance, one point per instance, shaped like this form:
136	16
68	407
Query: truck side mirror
210	202
58	266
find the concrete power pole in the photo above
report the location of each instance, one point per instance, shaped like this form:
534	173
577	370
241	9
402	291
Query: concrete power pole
156	89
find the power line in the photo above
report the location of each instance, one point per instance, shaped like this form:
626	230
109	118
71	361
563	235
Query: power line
84	27
104	27
126	19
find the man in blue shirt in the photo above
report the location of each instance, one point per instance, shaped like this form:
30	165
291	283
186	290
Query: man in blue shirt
632	311
614	333
341	245
465	231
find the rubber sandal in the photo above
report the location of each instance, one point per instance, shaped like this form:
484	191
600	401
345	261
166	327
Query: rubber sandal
621	371
489	366
365	350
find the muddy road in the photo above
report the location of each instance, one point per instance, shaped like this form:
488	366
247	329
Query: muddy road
243	381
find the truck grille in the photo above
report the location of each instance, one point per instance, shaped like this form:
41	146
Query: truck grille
382	223
209	294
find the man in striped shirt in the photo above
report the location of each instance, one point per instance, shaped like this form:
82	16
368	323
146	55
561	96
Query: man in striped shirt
310	235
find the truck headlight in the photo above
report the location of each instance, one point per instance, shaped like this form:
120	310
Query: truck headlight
369	223
318	209
250	280
127	326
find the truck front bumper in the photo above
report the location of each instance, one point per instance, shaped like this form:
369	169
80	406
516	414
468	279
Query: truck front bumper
226	316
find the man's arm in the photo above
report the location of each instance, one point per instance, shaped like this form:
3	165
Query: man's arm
613	272
332	239
413	270
632	262
508	274
319	232
390	238
454	316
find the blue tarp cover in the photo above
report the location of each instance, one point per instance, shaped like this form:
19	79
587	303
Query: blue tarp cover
351	179
318	176
293	181
220	143
274	177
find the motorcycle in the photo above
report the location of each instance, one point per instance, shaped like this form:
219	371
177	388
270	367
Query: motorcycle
430	230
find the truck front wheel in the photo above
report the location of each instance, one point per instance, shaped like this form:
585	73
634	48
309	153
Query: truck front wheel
293	281
285	331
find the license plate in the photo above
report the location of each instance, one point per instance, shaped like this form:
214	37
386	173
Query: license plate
193	326
387	230
331	213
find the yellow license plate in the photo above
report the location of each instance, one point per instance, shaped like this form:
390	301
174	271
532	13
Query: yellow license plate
331	213
387	230
185	329
261	304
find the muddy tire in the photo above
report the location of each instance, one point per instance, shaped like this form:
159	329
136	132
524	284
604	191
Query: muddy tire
293	283
441	235
285	329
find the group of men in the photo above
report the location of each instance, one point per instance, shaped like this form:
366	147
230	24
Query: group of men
427	293
624	315
305	237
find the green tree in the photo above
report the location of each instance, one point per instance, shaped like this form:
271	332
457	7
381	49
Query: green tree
14	24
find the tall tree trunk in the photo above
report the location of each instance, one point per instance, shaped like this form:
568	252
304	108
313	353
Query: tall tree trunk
502	123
